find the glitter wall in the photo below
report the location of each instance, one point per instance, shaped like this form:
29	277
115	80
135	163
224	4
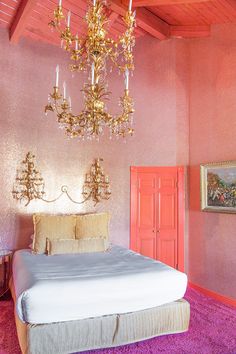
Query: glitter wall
159	88
212	241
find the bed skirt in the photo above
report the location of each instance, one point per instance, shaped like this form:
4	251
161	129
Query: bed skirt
103	332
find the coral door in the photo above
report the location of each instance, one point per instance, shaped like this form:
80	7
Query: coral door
154	213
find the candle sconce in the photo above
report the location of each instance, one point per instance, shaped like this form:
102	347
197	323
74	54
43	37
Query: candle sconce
29	184
97	184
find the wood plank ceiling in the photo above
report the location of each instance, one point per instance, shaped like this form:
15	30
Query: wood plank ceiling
159	18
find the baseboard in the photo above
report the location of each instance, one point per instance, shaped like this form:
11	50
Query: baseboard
221	298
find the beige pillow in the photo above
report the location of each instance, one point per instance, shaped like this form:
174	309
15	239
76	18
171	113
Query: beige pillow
92	225
51	227
60	246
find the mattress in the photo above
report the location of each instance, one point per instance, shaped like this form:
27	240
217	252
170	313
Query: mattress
78	286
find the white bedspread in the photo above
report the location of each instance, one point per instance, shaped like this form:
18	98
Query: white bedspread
76	286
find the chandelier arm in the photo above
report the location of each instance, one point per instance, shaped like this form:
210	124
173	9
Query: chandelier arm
96	20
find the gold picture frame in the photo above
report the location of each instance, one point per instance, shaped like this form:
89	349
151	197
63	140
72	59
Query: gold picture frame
218	187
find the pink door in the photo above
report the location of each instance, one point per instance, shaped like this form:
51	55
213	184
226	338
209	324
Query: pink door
154	213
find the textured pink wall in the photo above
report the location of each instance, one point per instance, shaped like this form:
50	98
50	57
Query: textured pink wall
212	236
161	131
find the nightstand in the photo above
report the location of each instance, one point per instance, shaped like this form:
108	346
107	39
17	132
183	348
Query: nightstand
5	270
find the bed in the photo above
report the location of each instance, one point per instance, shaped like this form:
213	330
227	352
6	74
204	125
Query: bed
70	303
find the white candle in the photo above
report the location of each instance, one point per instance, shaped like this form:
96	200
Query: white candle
126	79
92	81
94	2
130	5
76	43
57	75
64	90
69	100
68	19
60	3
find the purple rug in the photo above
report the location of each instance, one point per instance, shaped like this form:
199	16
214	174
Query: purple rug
212	331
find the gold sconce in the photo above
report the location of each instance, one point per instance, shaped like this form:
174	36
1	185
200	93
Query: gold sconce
97	184
29	184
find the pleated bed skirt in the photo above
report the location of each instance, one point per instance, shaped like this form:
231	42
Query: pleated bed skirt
102	332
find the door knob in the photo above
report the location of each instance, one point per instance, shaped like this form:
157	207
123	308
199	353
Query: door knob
158	230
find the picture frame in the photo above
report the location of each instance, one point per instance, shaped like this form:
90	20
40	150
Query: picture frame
218	187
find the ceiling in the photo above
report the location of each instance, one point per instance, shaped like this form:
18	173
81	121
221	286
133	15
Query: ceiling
159	18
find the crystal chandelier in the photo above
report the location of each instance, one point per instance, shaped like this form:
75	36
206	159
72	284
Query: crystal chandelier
92	54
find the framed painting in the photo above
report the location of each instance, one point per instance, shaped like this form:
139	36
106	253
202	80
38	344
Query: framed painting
218	187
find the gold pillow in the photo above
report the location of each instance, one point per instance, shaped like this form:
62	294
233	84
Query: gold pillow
85	245
92	225
51	227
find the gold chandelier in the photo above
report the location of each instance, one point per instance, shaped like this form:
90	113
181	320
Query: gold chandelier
91	54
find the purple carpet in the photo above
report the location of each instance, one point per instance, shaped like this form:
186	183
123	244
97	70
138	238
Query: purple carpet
212	331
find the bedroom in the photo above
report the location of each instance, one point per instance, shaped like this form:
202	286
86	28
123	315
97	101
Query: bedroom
185	108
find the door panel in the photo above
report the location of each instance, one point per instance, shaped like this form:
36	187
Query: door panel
167	211
146	210
147	247
167	231
167	251
146	243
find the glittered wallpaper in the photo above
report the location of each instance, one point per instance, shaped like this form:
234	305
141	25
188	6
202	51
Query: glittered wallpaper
212	240
159	88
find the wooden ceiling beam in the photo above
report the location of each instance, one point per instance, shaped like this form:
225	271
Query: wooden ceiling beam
190	31
20	20
145	20
147	3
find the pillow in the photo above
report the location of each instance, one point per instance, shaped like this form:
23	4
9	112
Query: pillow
60	246
51	227
92	225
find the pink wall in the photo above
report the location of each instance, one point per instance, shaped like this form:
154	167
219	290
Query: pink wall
161	130
212	236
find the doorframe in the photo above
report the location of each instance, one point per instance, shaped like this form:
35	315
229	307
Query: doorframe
181	207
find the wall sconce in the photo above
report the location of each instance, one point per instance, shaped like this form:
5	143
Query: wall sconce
29	184
97	184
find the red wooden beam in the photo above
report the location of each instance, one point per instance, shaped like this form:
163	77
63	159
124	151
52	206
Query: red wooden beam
20	20
152	24
144	3
190	31
145	20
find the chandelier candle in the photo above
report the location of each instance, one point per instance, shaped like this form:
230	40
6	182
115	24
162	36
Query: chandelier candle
92	80
76	44
57	75
68	19
64	90
69	101
92	54
130	5
127	79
